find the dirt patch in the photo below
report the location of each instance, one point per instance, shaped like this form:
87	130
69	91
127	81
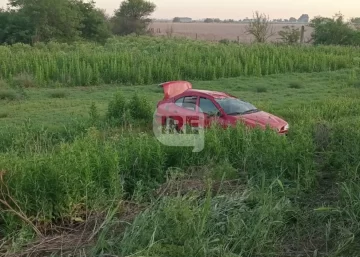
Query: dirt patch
216	31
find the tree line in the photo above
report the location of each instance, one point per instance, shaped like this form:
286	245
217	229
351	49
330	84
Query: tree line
32	21
326	31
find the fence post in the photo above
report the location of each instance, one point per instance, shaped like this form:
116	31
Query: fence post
302	34
196	37
238	39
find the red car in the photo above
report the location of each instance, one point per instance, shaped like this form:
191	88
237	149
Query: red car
183	105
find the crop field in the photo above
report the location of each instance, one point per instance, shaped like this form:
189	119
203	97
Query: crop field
218	31
81	173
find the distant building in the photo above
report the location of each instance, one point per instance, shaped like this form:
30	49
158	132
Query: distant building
304	18
182	19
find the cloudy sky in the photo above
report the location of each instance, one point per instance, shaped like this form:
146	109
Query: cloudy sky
237	9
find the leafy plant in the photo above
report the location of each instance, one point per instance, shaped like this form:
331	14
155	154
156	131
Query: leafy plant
140	109
334	31
93	113
117	107
290	35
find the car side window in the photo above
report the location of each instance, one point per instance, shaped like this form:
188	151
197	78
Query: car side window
207	106
180	102
190	103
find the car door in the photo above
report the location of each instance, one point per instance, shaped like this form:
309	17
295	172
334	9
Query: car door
184	111
209	111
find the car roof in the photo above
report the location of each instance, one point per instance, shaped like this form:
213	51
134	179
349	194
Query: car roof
214	94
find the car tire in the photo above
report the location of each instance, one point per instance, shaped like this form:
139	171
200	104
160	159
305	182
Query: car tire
171	127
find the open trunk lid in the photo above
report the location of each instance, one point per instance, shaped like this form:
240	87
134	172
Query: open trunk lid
173	88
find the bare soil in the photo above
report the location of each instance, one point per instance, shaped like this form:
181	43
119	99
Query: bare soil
217	31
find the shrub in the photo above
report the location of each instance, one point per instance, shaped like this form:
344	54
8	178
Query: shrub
334	31
117	107
140	108
290	35
93	113
24	80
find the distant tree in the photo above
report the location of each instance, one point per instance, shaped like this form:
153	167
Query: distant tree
217	20
229	21
15	27
260	27
304	18
94	24
356	22
290	35
334	31
50	19
132	17
208	20
292	19
176	19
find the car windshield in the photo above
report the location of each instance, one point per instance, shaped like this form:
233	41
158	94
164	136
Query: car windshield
233	106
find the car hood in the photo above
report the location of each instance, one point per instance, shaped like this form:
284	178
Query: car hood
264	119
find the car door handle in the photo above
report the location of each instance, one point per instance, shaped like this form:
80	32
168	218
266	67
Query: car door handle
175	112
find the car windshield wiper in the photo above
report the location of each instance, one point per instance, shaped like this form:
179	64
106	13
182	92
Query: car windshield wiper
250	111
235	113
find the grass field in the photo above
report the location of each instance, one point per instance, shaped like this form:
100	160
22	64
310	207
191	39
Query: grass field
80	175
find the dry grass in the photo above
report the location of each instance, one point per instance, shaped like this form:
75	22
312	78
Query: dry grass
77	239
217	31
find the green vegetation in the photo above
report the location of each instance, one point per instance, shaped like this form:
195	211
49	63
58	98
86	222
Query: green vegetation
335	31
132	17
290	35
71	161
138	60
83	159
33	21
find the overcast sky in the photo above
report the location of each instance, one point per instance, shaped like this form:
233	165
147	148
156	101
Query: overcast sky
237	9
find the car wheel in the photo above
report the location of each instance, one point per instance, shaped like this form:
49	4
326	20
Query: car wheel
171	126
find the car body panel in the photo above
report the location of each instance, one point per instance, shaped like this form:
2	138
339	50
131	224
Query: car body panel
174	88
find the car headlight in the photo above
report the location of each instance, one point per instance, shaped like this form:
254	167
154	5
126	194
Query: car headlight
285	128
